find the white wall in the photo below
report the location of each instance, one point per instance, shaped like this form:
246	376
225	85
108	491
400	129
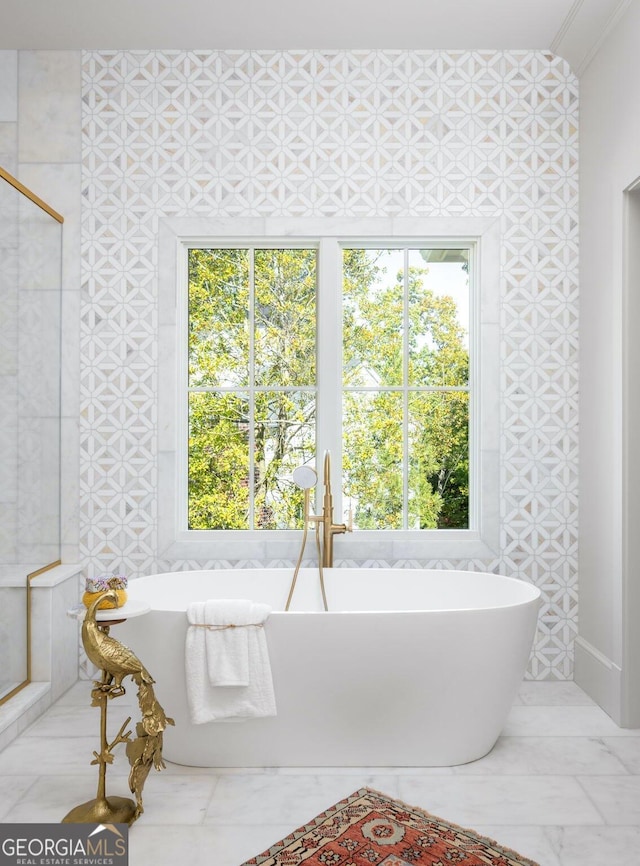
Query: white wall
609	163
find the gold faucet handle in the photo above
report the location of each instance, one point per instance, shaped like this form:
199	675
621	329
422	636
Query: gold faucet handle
349	526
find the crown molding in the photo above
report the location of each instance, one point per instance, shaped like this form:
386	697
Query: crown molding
615	16
585	28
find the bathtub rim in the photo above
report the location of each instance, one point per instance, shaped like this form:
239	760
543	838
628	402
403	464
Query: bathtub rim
532	594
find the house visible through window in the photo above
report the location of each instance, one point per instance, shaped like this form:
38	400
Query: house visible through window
386	381
405	406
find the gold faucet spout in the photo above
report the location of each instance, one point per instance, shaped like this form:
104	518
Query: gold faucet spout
325	527
329	527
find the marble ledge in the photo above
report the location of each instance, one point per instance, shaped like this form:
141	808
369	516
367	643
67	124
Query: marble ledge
15	715
57	575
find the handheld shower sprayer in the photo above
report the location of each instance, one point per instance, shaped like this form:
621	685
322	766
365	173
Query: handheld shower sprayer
306	477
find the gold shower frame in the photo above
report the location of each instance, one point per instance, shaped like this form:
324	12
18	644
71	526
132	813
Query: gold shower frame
14	182
30	195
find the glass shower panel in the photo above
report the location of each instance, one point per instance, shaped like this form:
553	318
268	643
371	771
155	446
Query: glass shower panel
30	365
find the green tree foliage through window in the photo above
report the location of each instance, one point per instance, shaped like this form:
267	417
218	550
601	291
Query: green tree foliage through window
406	406
252	399
253	394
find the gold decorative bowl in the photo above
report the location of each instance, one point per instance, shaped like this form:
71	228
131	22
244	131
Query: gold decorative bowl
89	597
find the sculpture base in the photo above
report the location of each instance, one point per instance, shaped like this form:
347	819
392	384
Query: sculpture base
106	810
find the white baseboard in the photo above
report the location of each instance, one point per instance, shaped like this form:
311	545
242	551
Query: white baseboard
599	677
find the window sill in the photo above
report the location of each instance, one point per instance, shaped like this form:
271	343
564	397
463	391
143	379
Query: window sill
261	548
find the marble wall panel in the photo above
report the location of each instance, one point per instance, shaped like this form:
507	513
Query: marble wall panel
13	671
55	658
49	107
8	87
39	353
8	532
39	490
9	147
59	185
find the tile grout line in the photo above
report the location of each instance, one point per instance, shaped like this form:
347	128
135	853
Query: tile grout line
214	787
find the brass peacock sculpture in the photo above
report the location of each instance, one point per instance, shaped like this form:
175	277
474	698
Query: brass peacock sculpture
116	662
109	654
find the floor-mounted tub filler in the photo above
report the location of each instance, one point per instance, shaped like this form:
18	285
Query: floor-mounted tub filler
408	667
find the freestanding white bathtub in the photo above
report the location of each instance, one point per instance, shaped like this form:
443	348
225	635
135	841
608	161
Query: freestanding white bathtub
408	668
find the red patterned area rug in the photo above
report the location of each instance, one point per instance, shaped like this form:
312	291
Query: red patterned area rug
370	828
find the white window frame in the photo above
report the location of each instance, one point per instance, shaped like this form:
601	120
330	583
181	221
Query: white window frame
177	235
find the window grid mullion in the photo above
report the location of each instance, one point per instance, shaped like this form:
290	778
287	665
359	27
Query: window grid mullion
329	369
413	389
257	389
405	395
251	383
183	377
474	391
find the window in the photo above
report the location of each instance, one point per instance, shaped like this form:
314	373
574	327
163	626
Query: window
253	395
405	377
278	343
251	385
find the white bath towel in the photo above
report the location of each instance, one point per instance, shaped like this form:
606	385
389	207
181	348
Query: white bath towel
226	645
228	673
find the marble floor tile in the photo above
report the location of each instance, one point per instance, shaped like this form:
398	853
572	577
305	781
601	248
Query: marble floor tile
562	721
292	800
627	750
564	694
382	772
183	770
50	798
617	798
171	800
206	845
523	756
70	721
599	846
471	800
536	843
177	799
44	757
12	788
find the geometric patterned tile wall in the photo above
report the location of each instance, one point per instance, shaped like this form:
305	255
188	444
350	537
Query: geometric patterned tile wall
336	133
